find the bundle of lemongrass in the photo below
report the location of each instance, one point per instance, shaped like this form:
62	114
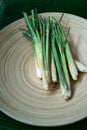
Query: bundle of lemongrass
52	52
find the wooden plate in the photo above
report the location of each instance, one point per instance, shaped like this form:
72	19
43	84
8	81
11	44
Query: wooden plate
21	94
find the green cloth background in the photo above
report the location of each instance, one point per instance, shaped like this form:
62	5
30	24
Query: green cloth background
11	10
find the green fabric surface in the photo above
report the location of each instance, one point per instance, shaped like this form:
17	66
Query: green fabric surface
11	10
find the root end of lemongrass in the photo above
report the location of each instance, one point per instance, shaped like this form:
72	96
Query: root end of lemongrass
74	77
66	92
53	72
74	73
67	95
81	67
38	73
54	80
46	86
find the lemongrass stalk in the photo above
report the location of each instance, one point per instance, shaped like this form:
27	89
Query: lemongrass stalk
60	44
66	91
53	66
36	43
71	64
81	67
53	70
48	52
43	27
38	67
45	81
63	84
62	57
45	71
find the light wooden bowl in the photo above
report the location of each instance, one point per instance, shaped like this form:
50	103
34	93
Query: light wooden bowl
21	94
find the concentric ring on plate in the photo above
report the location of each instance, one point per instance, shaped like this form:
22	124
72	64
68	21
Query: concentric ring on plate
21	94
